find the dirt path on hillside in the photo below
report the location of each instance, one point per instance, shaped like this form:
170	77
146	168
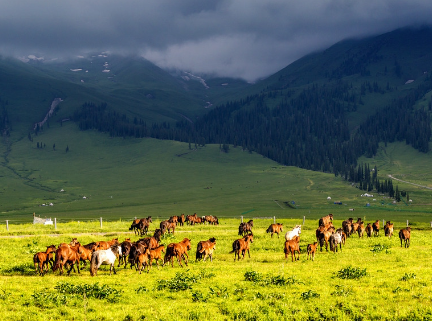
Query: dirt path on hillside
397	179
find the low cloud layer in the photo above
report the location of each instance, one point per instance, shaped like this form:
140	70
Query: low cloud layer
249	39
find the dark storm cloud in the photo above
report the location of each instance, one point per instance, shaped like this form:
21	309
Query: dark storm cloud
243	38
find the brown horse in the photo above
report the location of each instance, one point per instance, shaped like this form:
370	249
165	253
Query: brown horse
178	250
311	249
292	246
388	229
125	249
166	226
361	229
86	252
105	245
405	235
205	249
347	226
325	219
141	225
274	228
376	227
156	254
174	219
369	230
242	245
143	260
42	259
67	254
181	219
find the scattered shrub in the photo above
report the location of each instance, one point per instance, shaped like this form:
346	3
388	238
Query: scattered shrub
377	248
270	279
351	273
342	290
310	294
407	276
90	291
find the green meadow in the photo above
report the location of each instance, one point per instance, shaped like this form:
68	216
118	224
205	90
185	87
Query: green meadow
369	279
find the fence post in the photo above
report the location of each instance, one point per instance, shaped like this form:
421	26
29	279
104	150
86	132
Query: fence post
274	219
242	218
431	224
7	225
101	222
407	223
304	218
55	223
383	223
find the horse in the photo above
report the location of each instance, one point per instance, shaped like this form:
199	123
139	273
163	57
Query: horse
174	219
67	254
242	245
361	229
143	260
347	226
325	219
388	229
405	235
42	259
292	246
274	228
136	249
166	226
324	238
156	254
106	257
105	245
205	249
181	219
178	250
86	252
334	240
245	228
211	219
140	225
293	233
125	249
369	230
311	249
376	227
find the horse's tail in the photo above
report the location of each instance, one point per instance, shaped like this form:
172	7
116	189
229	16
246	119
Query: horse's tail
235	246
93	264
269	230
56	261
198	255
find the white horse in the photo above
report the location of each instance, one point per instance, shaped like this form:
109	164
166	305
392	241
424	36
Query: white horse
293	233
106	257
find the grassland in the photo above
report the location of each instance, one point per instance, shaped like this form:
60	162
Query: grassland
389	282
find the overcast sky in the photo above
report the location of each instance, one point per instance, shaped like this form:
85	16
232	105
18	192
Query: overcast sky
250	39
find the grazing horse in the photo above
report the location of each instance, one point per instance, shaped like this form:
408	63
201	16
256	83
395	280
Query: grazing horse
293	233
156	254
325	219
178	250
106	257
311	249
242	245
376	227
67	254
369	230
205	249
388	229
245	228
405	235
42	259
292	246
274	228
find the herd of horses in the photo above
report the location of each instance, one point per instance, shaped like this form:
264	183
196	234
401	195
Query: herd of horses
142	253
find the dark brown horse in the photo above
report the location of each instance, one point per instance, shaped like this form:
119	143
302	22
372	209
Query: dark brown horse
405	236
42	259
67	254
376	227
275	228
86	252
166	226
141	225
181	219
178	250
205	248
125	249
369	230
292	246
245	228
241	246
